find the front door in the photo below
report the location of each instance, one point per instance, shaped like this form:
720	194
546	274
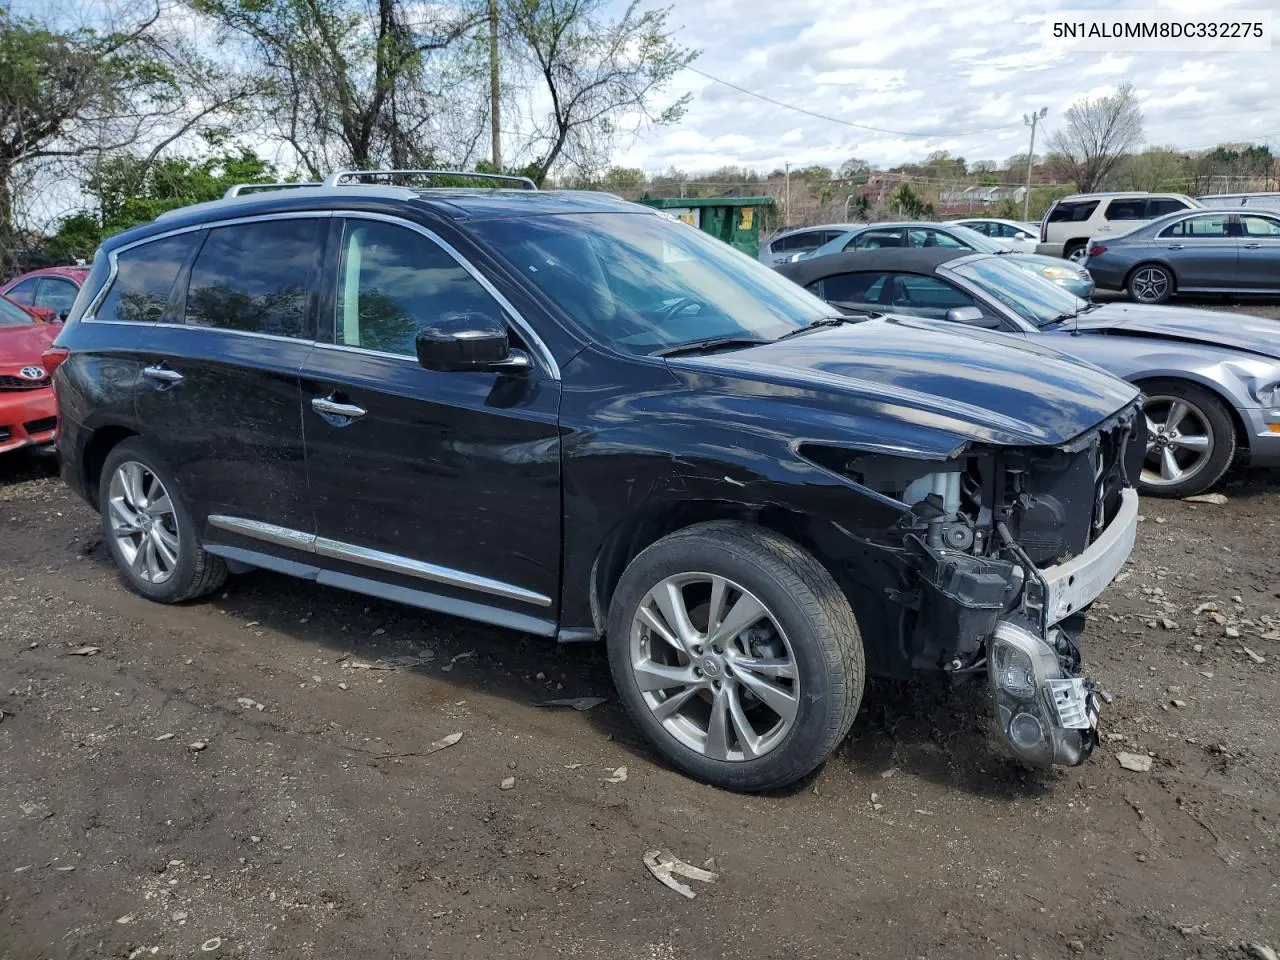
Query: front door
445	484
1259	264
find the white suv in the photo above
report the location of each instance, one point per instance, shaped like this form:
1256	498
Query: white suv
1071	221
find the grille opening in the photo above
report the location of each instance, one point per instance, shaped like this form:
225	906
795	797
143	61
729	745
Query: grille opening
21	383
42	425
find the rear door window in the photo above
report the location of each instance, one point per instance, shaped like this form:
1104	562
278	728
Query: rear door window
256	278
144	279
1076	212
1135	209
799	242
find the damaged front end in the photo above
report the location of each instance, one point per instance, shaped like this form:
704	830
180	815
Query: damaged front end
1003	549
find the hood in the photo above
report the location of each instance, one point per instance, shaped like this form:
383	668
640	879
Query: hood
1217	328
914	386
21	346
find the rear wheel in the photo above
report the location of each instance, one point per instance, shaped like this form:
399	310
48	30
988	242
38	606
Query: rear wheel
1191	439
736	653
149	529
1075	252
1150	283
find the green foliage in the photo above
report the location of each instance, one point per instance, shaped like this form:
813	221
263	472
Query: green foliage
904	201
860	207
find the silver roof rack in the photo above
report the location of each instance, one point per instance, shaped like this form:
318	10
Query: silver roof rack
243	188
343	177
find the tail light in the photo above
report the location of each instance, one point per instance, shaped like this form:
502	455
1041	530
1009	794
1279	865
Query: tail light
52	358
1097	249
1044	223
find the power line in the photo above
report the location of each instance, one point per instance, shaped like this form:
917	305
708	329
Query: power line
847	123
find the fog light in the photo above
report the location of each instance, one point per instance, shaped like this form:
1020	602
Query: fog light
1013	672
1026	731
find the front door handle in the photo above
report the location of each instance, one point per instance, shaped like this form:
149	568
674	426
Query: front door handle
162	375
335	412
1252	246
1175	246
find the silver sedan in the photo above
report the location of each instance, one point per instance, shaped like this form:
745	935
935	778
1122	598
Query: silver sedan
1201	251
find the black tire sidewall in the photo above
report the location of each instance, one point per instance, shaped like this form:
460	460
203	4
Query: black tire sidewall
178	585
805	746
1224	438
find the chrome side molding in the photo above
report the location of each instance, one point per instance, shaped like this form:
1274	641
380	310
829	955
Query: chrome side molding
379	560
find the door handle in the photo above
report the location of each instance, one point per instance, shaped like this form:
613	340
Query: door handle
327	408
1252	246
162	374
1175	246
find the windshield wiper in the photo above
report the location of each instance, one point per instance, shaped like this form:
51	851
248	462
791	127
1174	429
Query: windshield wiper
826	322
712	343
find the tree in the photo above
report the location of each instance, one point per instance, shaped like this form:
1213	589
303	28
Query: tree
904	200
1098	132
69	94
1155	169
599	76
860	207
856	169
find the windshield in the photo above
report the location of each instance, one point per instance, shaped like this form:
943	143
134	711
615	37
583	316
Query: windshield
12	315
1029	295
642	283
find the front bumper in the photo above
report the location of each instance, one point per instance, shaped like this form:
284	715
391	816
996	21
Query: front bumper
1264	436
27	418
1047	713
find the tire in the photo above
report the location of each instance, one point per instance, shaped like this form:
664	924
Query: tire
1150	283
1206	416
192	572
1074	251
807	623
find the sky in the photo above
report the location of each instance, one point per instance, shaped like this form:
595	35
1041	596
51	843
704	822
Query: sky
961	71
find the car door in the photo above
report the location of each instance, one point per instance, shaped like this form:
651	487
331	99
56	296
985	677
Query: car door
219	396
56	294
1258	267
1201	249
445	483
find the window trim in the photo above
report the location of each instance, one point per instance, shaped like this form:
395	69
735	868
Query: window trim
539	348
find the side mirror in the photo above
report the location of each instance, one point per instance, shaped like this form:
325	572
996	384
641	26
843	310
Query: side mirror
972	317
468	341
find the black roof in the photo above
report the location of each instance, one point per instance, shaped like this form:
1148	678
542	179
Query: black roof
922	260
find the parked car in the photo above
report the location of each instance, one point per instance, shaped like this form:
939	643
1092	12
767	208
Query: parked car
1205	251
1070	222
51	288
1212	379
1251	201
28	414
1011	234
785	244
932	235
571	416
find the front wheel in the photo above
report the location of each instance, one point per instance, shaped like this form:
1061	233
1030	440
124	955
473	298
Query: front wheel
1191	439
736	653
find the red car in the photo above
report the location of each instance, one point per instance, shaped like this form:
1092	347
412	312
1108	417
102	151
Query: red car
28	413
53	288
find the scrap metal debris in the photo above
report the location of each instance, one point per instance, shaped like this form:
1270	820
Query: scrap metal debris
581	704
663	864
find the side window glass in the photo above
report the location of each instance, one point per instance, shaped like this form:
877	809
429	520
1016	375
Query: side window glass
1127	210
392	281
934	238
1162	206
1255	226
1210	226
24	293
57	295
144	279
927	293
851	288
875	240
253	277
1073	212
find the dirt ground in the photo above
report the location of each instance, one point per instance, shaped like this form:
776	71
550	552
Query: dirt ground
226	779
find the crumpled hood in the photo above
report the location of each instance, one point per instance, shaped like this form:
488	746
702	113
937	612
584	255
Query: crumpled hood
21	346
919	386
1213	327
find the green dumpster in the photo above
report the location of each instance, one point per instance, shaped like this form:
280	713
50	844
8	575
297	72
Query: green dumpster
735	220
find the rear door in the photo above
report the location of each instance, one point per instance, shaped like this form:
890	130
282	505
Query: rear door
1259	264
1202	250
219	394
445	484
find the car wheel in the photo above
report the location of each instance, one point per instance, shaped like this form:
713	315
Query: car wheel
1150	283
149	529
1075	252
1191	439
736	653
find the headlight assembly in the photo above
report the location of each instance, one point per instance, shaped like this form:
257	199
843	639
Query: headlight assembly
1061	273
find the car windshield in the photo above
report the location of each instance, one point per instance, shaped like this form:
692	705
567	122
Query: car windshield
1029	295
643	283
12	315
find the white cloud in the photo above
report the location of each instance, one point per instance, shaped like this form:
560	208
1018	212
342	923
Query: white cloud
1108	66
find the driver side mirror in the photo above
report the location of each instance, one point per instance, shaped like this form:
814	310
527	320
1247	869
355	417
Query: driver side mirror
972	317
457	342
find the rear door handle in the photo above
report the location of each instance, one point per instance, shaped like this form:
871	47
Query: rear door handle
162	374
1175	246
1252	246
339	412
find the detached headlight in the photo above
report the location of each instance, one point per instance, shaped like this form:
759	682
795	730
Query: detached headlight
1267	395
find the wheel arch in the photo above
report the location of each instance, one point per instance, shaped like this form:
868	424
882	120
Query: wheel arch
97	448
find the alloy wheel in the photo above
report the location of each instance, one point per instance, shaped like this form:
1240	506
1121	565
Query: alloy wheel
1150	285
143	522
714	667
1179	441
1078	254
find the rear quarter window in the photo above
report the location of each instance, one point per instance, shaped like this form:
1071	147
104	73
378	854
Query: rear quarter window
1076	212
144	279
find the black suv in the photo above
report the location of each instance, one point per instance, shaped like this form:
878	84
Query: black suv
576	417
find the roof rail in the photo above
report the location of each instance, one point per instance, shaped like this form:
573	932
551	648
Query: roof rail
337	178
242	188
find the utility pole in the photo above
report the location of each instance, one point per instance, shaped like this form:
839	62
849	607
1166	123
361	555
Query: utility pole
1031	120
786	220
495	122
